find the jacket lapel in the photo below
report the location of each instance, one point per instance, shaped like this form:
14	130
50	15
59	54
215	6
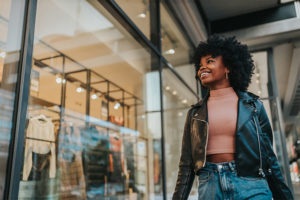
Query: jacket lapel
244	113
245	109
201	112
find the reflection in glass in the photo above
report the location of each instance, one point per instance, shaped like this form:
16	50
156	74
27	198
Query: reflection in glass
87	135
138	11
175	47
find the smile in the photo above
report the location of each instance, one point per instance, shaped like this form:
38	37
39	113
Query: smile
204	74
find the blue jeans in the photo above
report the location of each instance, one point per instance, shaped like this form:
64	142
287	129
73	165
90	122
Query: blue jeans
220	181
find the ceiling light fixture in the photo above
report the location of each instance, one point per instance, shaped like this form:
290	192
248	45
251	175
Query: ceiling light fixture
142	15
168	88
94	96
58	80
174	92
184	101
170	51
144	11
116	106
79	89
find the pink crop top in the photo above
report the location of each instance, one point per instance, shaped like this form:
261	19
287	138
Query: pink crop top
222	118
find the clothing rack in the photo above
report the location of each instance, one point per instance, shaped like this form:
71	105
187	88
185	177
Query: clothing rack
89	86
106	124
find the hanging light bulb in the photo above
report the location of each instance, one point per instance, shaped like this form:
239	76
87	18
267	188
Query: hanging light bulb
142	15
174	92
58	80
170	51
168	87
94	96
79	89
116	106
184	101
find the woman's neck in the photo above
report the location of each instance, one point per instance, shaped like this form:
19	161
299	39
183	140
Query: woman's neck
222	92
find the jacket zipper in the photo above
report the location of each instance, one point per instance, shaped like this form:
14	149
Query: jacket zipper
260	170
207	131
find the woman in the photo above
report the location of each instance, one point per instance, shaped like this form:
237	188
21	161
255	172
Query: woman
227	139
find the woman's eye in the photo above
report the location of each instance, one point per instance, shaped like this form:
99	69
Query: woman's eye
210	61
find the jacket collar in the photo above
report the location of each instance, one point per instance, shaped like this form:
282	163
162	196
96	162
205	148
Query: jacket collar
245	110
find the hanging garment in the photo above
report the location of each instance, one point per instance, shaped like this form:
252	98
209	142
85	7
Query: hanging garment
72	183
40	141
117	176
95	161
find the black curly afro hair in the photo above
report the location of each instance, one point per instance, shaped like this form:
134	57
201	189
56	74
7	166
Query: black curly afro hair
236	58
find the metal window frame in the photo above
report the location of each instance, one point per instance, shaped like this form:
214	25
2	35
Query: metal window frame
155	33
16	145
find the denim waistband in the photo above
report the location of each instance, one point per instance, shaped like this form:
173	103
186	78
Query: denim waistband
220	167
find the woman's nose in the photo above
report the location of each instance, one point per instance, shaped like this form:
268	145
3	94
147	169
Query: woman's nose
202	67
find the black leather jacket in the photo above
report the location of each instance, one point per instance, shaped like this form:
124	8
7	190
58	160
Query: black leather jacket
250	137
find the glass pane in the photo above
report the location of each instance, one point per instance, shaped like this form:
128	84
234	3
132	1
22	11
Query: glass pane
11	28
154	126
138	11
177	101
175	47
89	131
260	78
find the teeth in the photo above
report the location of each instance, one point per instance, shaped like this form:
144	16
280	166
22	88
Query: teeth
204	73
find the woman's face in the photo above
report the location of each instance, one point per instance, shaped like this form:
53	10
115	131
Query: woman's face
212	72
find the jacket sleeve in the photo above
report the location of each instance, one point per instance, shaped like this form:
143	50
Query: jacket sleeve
186	172
279	188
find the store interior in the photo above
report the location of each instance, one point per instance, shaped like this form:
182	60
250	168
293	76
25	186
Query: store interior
87	94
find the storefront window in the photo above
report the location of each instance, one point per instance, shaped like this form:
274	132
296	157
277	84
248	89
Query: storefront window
138	11
89	133
175	47
177	101
260	78
11	28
